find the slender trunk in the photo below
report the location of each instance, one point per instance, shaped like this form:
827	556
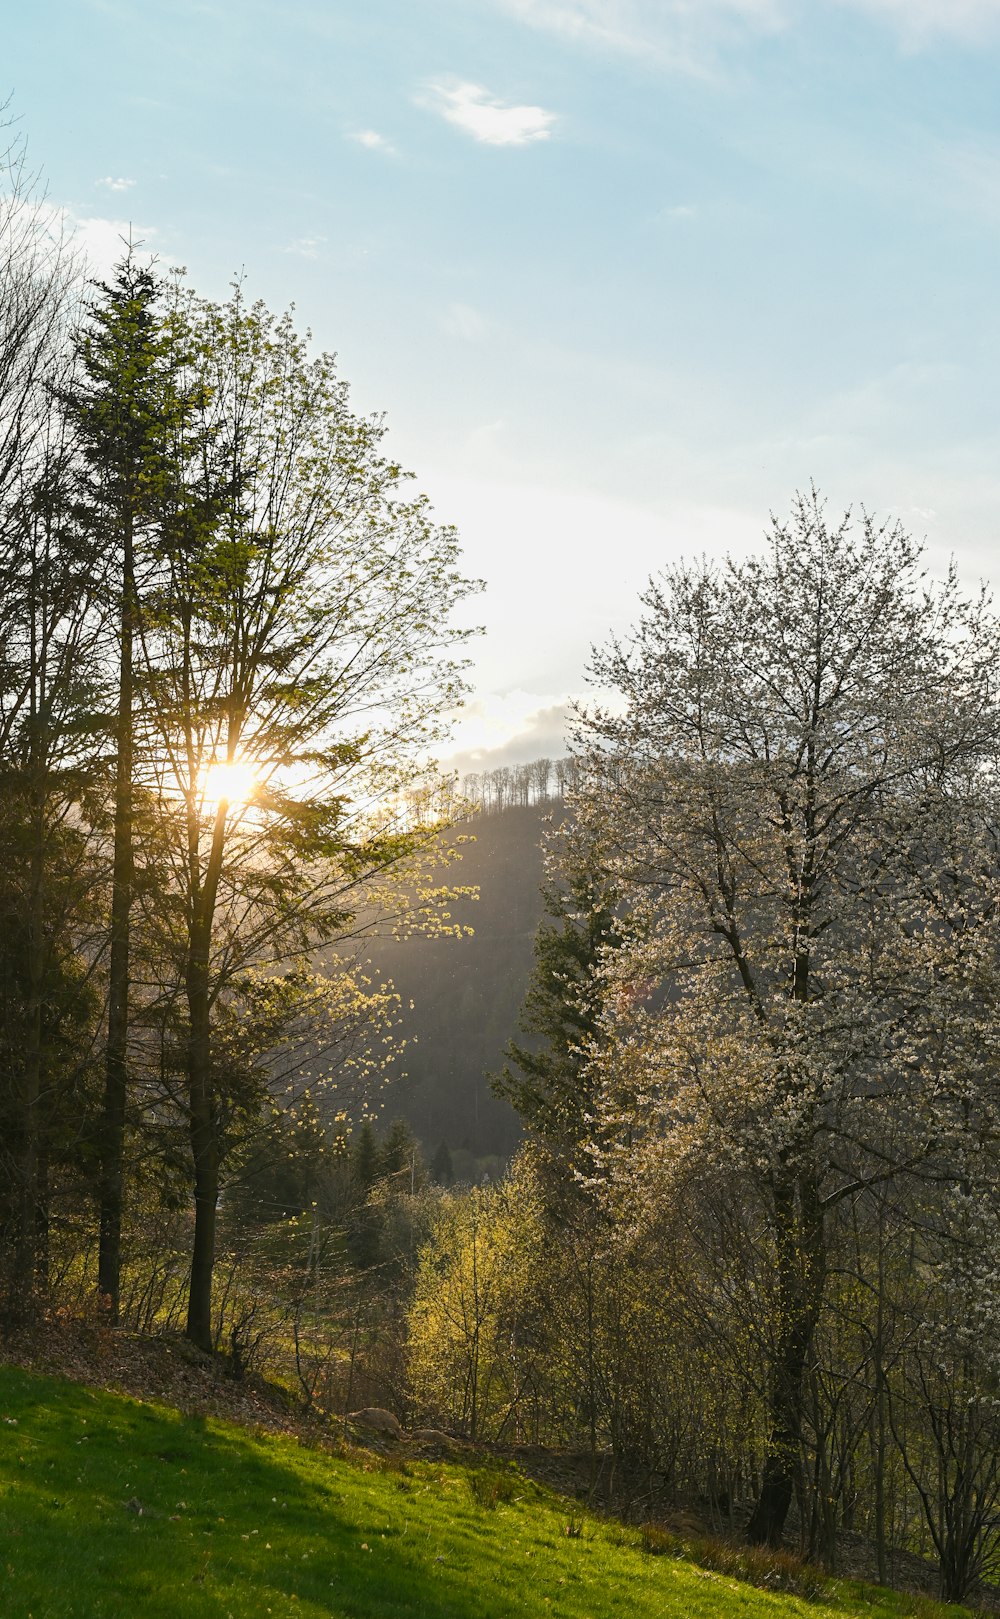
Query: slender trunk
801	1275
116	1073
591	1376
205	1144
879	1416
26	1253
42	1249
204	1141
474	1363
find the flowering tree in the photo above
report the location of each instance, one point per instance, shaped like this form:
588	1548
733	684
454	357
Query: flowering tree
793	795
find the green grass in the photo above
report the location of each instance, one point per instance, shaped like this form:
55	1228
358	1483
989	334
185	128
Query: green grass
245	1525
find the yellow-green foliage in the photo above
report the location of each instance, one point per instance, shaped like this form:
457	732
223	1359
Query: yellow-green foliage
513	1331
469	1343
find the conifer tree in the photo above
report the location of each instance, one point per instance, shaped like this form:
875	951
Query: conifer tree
127	413
399	1157
442	1168
547	1079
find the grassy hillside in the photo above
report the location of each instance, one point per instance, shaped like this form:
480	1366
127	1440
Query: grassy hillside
114	1508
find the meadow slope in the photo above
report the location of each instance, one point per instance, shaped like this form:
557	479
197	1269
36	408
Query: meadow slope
112	1508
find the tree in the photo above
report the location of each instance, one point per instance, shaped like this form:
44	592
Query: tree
804	742
37	285
49	690
48	662
399	1158
549	1083
470	1355
296	660
129	417
442	1168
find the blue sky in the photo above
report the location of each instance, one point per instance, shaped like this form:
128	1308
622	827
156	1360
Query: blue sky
622	273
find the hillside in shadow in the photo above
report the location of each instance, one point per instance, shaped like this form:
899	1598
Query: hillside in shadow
467	993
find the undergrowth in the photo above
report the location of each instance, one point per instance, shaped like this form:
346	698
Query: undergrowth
774	1569
493	1485
763	1566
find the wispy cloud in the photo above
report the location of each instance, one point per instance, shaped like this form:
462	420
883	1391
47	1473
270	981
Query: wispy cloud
483	116
306	247
462	321
918	19
676	32
115	183
684	33
372	141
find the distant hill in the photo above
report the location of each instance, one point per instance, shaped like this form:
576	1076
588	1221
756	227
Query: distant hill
467	993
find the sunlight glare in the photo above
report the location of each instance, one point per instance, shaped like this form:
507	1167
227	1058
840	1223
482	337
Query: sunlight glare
229	781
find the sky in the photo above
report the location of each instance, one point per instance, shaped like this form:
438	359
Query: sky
622	274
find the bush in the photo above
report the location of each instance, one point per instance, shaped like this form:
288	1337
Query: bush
492	1485
767	1569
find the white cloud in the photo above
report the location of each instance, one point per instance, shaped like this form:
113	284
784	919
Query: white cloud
462	321
95	243
487	119
372	141
509	728
542	547
104	242
917	19
115	183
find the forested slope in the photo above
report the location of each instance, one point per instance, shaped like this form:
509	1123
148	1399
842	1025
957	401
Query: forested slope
467	992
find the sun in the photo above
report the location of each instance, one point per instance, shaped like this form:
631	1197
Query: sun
229	781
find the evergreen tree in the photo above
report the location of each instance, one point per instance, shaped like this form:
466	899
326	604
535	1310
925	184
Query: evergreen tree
363	1226
399	1158
49	751
298	603
546	1078
364	1161
442	1168
128	410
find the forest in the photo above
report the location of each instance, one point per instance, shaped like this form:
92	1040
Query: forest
738	1252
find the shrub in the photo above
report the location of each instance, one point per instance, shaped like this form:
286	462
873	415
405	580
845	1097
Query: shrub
767	1569
492	1485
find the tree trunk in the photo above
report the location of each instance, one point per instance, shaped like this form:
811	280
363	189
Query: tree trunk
205	1144
204	1140
26	1249
801	1275
116	1073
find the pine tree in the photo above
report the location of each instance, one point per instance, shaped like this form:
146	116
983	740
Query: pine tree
127	410
442	1168
399	1157
546	1079
364	1161
363	1227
